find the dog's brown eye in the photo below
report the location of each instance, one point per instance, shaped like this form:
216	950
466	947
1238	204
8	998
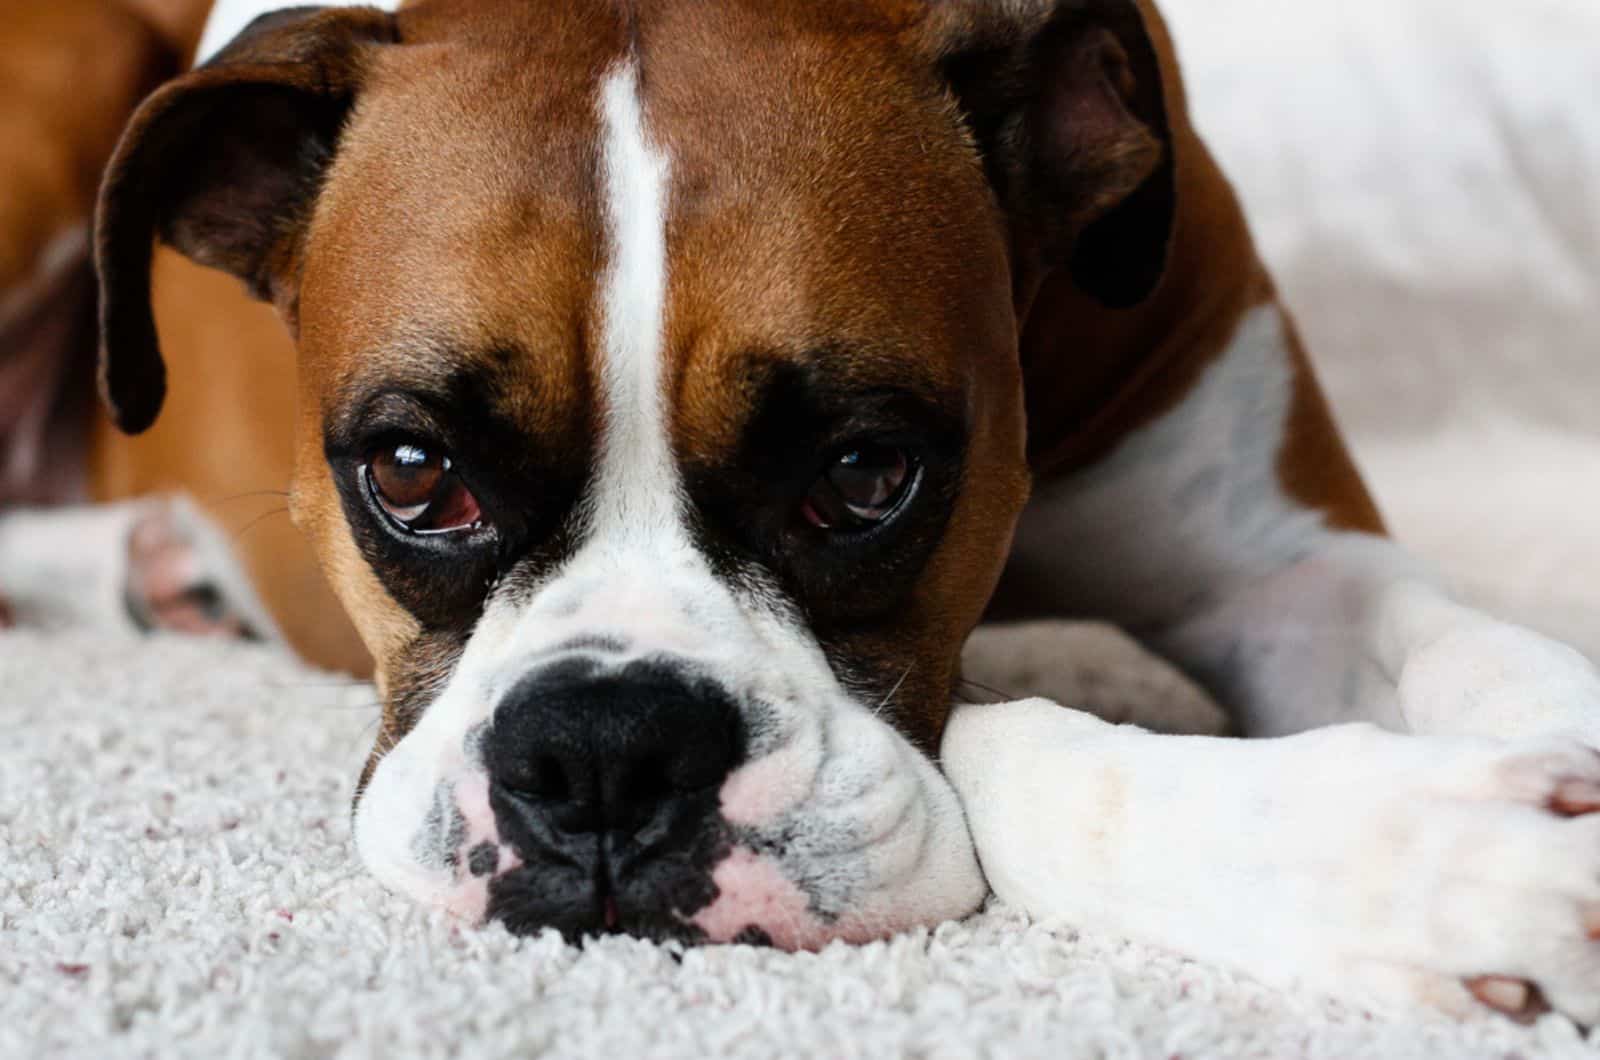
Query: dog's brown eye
860	486
420	490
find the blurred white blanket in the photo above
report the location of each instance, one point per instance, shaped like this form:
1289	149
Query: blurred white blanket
1424	179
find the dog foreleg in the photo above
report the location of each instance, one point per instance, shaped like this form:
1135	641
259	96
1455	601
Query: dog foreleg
1374	865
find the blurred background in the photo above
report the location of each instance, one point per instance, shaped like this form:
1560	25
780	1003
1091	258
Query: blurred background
1423	177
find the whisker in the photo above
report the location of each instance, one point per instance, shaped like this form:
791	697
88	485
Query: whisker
238	534
330	681
374	704
980	686
314	686
332	702
244	496
365	735
877	710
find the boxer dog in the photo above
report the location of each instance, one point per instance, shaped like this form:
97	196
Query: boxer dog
678	383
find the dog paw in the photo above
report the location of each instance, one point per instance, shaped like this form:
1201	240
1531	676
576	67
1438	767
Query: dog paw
1090	666
1491	882
153	564
182	577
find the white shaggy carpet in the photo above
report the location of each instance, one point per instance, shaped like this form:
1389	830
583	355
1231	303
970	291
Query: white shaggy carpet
177	879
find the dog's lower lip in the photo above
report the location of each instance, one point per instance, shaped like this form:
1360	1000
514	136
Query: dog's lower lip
611	913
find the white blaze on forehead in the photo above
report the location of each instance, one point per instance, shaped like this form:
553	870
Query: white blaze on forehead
636	488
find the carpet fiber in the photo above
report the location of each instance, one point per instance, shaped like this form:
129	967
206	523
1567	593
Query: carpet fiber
177	879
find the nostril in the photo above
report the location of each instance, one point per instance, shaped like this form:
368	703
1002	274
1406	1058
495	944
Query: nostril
646	783
550	779
543	779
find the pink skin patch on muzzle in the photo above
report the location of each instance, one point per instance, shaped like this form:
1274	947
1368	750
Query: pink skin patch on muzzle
468	898
753	893
759	792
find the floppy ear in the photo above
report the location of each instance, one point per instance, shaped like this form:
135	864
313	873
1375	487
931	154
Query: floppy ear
1066	101
224	164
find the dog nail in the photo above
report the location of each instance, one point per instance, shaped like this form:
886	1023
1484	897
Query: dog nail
1591	922
1506	995
1516	999
1575	797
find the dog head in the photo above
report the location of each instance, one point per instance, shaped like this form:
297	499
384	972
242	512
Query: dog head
662	418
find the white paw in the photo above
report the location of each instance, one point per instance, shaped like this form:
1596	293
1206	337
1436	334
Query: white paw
1480	878
1498	681
1372	865
1089	666
182	576
149	564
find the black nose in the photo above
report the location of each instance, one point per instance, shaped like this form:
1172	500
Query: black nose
634	753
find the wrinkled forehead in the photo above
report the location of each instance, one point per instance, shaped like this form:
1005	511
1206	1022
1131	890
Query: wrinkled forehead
820	195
